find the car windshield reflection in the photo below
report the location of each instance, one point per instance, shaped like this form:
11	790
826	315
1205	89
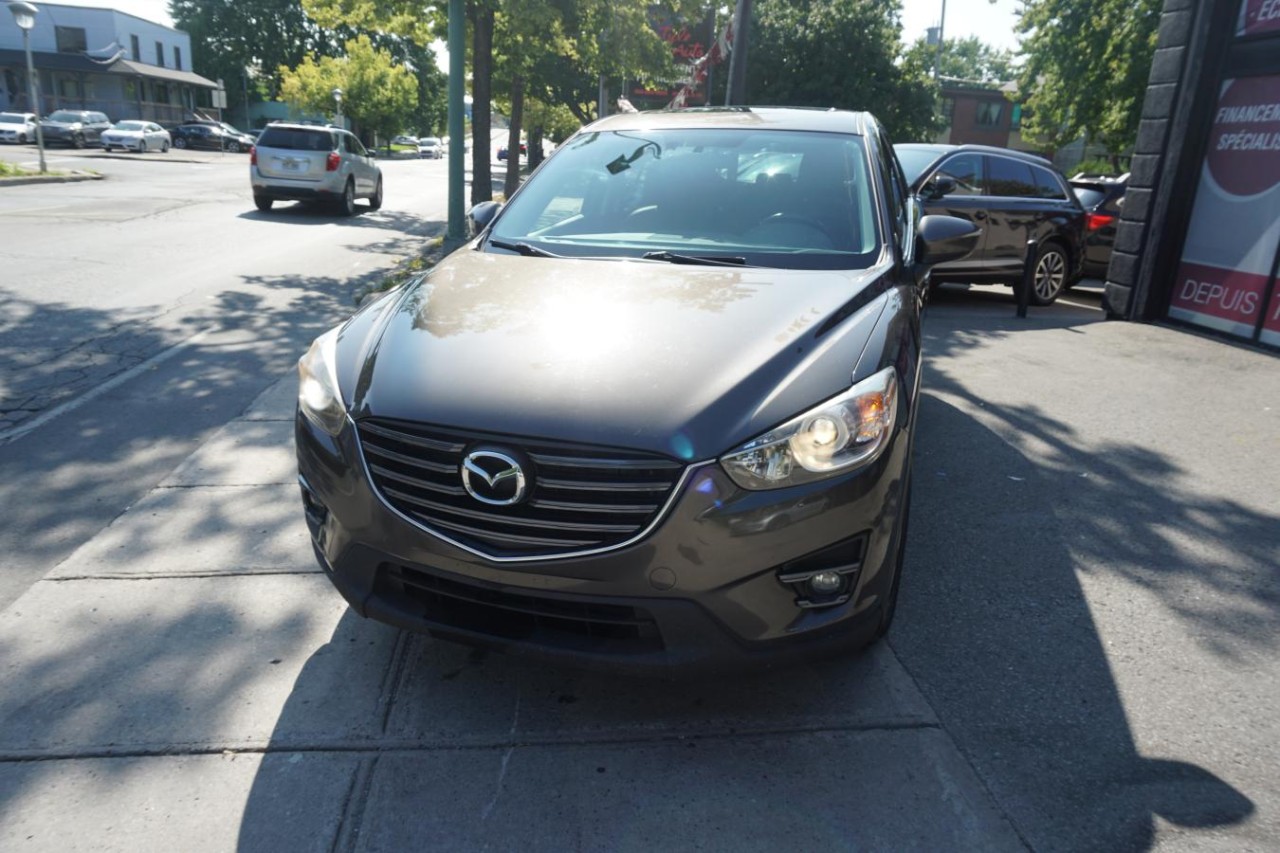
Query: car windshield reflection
773	198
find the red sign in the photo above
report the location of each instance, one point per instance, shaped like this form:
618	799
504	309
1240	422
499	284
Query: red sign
1258	16
1271	325
1225	276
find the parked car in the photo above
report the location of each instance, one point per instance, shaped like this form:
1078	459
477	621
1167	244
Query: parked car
562	440
76	128
211	136
429	148
18	127
1102	197
405	140
141	136
503	152
1013	197
324	165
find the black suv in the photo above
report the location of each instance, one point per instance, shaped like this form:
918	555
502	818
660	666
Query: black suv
211	136
659	412
1102	197
76	128
1014	198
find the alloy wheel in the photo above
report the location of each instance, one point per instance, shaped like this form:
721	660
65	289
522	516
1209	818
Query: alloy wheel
1051	272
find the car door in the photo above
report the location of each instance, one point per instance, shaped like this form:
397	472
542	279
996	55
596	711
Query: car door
98	123
967	199
365	172
1014	213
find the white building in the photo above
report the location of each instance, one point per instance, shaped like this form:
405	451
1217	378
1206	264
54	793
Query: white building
101	59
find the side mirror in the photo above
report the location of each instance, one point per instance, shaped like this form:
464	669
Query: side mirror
479	217
373	153
940	186
944	238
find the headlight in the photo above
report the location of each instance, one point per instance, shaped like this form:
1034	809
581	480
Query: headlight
319	398
846	431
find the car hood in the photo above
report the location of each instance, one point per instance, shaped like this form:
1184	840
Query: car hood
681	360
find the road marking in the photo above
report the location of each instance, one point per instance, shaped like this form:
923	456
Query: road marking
110	385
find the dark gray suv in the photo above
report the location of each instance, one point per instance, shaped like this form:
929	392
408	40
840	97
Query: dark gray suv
660	412
1014	198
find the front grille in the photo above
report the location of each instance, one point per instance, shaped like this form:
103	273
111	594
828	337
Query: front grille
553	622
580	497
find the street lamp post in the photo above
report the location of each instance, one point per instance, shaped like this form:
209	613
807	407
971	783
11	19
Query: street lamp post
24	15
337	99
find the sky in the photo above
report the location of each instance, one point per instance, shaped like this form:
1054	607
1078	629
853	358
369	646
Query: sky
994	21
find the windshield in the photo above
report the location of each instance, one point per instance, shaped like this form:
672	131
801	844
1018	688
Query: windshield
297	139
915	159
12	118
64	115
229	129
770	198
130	125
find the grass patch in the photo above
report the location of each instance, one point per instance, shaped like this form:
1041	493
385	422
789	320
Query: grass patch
432	253
10	170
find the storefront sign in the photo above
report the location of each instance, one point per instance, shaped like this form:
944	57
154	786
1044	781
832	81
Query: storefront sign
1224	281
1258	16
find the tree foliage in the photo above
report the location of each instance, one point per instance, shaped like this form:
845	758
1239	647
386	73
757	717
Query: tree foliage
964	59
377	93
228	36
838	53
1086	68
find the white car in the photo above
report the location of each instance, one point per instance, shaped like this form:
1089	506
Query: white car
18	127
429	148
139	136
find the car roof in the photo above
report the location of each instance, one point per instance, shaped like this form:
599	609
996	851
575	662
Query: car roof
763	118
946	148
293	125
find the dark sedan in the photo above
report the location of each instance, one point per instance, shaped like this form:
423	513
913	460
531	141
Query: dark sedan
77	128
1016	199
209	136
660	412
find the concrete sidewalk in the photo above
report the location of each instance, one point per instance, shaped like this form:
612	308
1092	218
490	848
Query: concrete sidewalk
1084	657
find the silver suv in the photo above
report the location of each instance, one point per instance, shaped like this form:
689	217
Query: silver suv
325	165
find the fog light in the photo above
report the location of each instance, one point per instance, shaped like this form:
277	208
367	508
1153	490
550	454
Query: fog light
825	583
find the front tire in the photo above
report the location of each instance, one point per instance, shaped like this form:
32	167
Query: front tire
77	141
179	143
22	139
233	147
1049	274
164	148
143	148
375	201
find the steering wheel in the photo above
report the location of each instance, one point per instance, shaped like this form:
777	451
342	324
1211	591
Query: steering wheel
796	219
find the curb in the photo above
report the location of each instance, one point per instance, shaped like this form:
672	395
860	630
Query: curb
72	178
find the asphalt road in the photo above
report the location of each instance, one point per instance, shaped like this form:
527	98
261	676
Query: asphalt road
146	309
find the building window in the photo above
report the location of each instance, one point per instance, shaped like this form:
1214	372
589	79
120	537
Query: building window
177	57
70	39
160	54
161	92
1015	121
136	50
988	113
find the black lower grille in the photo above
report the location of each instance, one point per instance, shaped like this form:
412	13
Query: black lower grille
558	623
579	498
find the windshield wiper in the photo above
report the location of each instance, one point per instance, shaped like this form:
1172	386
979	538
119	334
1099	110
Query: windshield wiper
524	248
703	260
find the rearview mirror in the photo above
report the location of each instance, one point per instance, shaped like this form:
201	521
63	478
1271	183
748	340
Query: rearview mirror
944	238
940	186
479	217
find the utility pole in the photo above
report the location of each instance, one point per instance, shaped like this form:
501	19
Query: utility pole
942	23
457	130
736	95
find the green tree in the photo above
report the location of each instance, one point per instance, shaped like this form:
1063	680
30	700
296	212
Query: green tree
377	93
965	59
838	53
1086	68
229	37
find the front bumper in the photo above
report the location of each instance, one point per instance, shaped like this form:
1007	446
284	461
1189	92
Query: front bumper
702	590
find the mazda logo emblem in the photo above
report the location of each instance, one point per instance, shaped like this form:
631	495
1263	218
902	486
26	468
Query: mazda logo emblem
493	478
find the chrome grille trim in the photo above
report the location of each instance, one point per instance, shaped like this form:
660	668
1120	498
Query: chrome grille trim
564	545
